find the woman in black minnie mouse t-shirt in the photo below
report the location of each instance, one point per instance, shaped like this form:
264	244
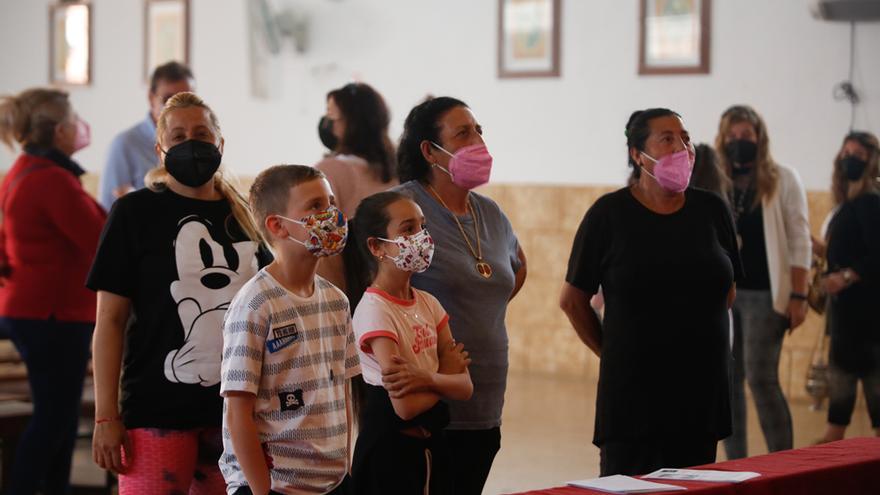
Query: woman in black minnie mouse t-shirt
170	260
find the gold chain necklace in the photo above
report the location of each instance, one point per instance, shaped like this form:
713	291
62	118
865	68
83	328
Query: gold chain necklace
483	268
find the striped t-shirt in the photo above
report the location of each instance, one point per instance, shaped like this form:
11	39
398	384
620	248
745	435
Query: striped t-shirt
294	354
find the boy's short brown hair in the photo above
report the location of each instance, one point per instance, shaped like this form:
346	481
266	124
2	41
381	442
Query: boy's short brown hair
270	190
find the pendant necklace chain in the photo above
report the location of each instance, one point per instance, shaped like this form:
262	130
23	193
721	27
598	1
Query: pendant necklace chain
483	268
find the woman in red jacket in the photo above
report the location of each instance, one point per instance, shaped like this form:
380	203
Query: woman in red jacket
48	237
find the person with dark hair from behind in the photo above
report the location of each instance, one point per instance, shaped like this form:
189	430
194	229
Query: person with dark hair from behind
133	151
478	268
361	162
853	282
666	259
707	172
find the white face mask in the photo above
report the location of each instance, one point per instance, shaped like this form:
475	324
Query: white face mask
415	251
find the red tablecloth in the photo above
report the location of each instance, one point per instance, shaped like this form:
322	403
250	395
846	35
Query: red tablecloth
847	467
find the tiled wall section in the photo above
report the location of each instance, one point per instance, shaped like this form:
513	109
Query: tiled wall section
541	339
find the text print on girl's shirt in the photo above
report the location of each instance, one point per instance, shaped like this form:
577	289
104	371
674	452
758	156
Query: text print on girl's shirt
425	338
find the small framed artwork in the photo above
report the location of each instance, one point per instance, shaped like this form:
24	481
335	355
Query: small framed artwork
166	33
528	38
70	43
674	36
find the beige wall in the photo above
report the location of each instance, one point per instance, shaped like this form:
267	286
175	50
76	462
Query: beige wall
541	340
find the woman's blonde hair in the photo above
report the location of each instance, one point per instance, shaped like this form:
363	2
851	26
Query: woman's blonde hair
157	178
31	116
766	169
868	182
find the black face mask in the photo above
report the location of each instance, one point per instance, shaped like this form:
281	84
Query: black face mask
853	167
325	132
739	170
193	162
741	151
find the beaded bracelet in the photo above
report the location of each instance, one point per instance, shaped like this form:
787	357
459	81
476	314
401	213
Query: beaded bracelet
107	420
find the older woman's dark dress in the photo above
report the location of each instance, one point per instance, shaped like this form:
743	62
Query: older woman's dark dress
663	398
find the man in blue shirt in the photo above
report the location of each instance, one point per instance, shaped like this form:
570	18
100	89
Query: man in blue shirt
133	151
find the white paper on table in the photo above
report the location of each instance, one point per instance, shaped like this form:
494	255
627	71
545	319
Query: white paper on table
624	484
702	475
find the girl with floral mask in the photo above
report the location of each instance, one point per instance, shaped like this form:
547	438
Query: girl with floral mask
665	258
408	357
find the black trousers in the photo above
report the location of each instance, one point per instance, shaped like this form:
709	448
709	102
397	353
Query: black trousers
55	353
635	457
344	488
402	465
473	452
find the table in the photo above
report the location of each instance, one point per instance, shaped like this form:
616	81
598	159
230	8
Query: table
847	467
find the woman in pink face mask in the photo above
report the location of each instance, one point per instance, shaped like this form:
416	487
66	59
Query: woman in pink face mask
666	259
48	236
478	266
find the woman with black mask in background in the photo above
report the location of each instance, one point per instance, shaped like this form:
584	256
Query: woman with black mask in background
361	162
853	283
770	209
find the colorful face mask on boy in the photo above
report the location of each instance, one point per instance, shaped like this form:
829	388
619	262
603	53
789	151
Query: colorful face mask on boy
415	251
327	230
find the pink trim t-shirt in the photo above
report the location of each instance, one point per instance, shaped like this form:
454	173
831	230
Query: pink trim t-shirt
413	324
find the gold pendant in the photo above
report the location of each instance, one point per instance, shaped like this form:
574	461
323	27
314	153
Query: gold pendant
484	269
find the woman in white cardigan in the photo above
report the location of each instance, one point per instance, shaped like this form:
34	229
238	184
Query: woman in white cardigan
770	209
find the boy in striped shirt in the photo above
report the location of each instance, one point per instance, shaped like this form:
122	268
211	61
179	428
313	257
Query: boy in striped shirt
288	349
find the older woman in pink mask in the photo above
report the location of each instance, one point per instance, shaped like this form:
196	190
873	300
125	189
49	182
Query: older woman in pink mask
477	268
666	259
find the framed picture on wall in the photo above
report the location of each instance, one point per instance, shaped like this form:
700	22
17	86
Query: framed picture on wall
166	33
70	43
528	38
674	36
